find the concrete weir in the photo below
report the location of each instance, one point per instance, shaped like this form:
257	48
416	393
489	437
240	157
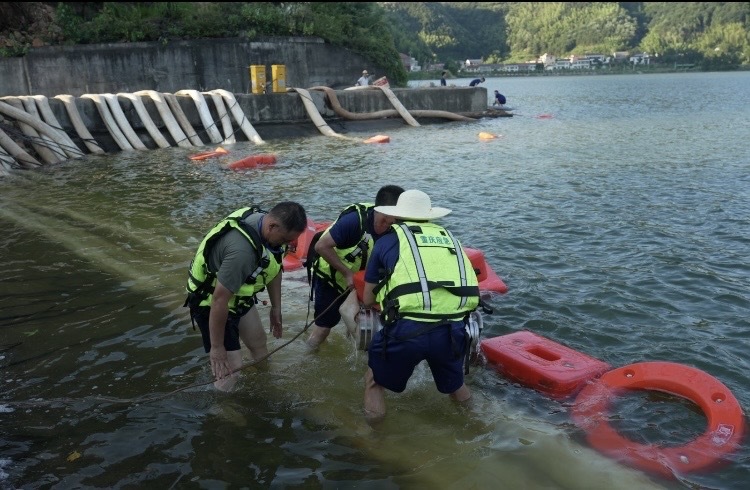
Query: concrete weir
35	130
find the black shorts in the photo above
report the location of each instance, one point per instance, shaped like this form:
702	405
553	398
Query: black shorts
326	296
200	315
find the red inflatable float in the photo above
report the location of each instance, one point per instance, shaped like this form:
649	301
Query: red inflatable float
489	281
297	252
726	423
542	364
253	161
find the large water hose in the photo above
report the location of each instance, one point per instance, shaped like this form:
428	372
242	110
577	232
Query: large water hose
109	121
239	116
314	114
398	105
75	119
122	121
19	154
341	112
33	127
182	119
148	123
69	147
39	144
204	113
52	144
226	123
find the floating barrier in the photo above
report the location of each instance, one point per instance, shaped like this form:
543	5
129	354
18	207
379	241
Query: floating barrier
540	363
253	161
561	372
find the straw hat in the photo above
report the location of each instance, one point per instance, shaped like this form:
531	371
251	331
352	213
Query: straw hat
364	72
413	204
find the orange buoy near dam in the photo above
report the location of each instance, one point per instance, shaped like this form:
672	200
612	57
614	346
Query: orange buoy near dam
378	138
219	151
253	161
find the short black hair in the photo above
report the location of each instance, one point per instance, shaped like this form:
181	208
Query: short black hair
291	215
388	195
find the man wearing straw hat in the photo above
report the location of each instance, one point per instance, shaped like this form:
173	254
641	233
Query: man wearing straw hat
426	288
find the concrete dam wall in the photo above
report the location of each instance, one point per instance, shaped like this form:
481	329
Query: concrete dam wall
204	64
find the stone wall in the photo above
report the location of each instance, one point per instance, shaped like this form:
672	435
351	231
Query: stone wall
168	67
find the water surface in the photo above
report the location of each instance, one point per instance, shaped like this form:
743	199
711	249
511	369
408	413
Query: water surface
620	221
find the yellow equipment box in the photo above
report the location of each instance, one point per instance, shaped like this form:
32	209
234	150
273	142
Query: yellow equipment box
278	72
257	78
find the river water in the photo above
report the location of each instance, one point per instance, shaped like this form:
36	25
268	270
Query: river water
615	208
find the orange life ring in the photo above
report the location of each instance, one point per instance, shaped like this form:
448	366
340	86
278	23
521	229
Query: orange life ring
726	423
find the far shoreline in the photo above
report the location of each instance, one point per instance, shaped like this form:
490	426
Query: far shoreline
435	75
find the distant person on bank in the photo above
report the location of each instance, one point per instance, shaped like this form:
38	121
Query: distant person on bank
443	83
476	82
499	99
364	80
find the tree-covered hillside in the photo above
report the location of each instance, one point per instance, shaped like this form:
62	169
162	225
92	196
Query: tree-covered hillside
714	35
520	31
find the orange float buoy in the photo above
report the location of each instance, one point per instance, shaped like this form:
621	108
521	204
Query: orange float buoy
726	423
297	252
488	279
219	151
253	161
359	285
380	138
541	363
487	136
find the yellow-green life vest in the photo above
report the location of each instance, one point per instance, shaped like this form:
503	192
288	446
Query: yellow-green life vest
355	258
433	279
202	281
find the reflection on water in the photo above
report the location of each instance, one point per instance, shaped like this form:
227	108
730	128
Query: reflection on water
620	225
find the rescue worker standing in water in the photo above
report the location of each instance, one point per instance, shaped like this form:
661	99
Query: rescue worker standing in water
426	288
238	258
342	250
